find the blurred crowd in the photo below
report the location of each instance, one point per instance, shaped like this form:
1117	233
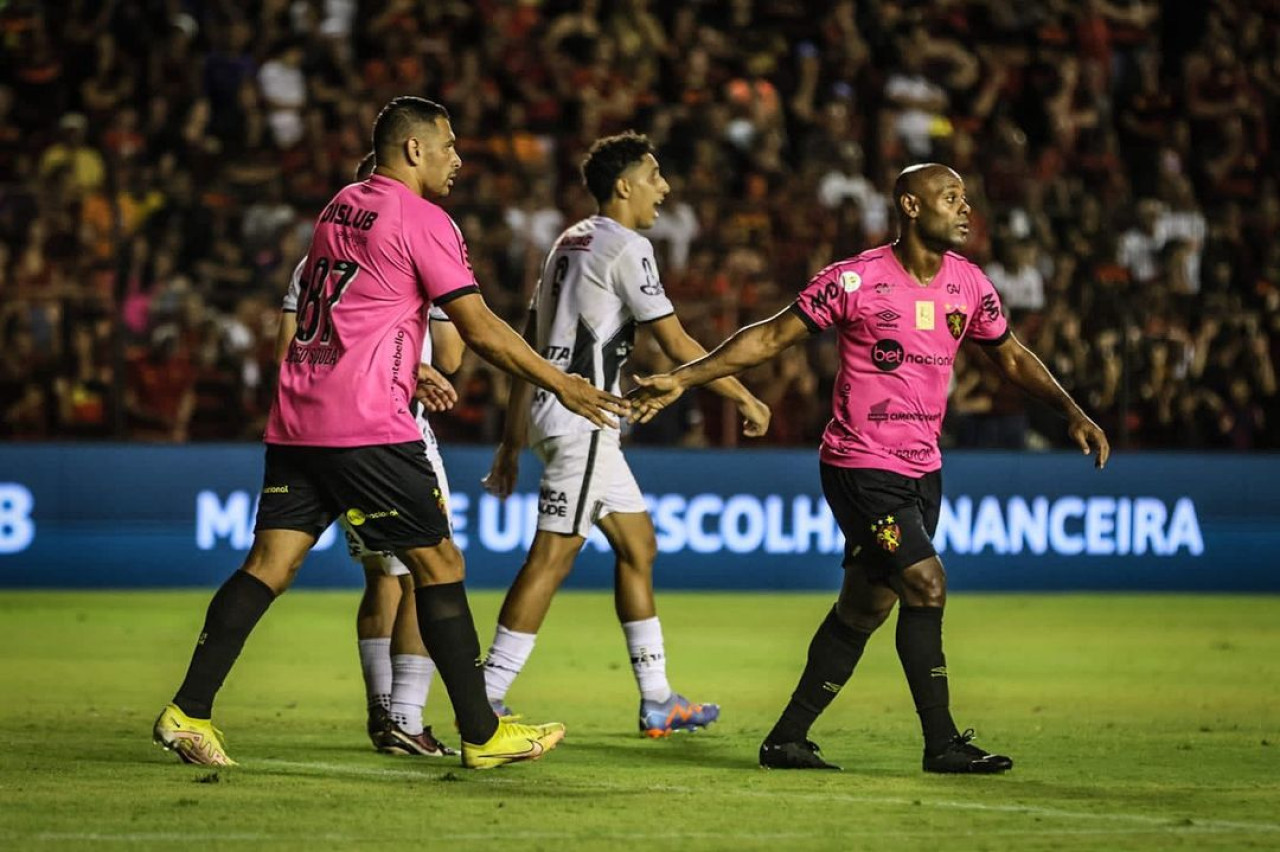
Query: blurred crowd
161	162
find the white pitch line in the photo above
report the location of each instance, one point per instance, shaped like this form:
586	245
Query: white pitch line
1170	822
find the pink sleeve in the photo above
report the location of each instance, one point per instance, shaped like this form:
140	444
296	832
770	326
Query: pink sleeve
439	256
828	298
988	325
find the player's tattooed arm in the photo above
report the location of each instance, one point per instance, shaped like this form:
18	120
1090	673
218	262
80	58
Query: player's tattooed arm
501	479
681	348
1019	365
748	347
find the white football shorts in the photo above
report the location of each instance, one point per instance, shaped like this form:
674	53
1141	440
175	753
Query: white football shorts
584	478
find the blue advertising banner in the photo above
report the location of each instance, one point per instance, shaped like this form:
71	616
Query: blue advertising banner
115	516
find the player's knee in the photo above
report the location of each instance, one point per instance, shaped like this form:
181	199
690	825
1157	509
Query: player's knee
274	570
274	575
639	555
433	566
866	619
925	584
550	566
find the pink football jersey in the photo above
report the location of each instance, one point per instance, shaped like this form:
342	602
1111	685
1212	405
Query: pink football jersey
898	341
379	257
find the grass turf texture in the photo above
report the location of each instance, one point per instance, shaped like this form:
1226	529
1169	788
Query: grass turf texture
1136	722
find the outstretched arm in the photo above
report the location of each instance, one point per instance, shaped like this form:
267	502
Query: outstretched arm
1019	365
496	342
681	348
748	347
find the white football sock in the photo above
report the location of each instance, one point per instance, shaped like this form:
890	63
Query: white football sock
648	658
375	662
410	682
507	656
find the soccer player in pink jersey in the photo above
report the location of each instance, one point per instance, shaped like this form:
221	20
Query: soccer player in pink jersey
396	668
342	441
901	311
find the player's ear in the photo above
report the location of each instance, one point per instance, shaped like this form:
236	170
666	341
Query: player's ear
909	205
622	187
413	150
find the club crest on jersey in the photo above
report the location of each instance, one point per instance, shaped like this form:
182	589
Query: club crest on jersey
887	533
957	316
850	281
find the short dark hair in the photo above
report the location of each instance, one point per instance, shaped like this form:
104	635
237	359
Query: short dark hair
398	119
367	164
609	158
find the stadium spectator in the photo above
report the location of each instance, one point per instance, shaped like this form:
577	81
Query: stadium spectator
1019	280
1128	145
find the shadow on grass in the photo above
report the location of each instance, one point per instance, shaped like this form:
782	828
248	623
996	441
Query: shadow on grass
700	751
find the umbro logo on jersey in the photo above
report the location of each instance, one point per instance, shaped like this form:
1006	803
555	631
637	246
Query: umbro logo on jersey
888	318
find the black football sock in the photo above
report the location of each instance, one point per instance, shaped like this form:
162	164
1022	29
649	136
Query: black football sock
833	654
920	650
232	614
444	618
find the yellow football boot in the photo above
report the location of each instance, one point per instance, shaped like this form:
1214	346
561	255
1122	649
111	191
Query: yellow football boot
512	742
193	740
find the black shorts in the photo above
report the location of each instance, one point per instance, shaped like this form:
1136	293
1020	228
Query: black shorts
888	520
388	494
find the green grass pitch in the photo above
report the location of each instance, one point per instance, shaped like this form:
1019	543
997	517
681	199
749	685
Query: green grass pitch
1136	722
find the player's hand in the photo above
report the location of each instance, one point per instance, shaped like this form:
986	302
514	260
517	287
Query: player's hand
434	391
586	400
501	480
755	417
1089	436
653	394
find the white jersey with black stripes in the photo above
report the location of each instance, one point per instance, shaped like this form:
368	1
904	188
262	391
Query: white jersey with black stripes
600	279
